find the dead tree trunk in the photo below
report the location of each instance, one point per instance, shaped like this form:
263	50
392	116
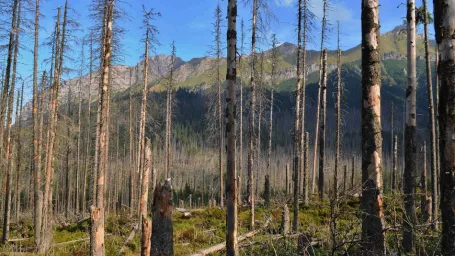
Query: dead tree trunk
338	121
8	160
19	152
97	212
169	115
394	164
131	174
305	169
240	68
145	220
423	185
162	234
323	113
410	136
231	186
371	202
352	173
250	185
433	170
68	167
316	136
444	13
296	145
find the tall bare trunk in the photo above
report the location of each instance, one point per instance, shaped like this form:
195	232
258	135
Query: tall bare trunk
323	114
303	100
433	160
423	185
240	66
131	174
305	168
8	160
145	220
19	152
316	135
338	121
97	212
78	148
395	164
296	145
231	175
68	167
444	17
250	185
169	115
410	136
371	202
88	160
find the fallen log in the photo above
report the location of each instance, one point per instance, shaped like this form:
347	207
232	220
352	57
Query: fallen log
129	239
222	245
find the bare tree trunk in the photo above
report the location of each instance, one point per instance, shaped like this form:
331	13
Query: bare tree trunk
323	114
395	164
88	140
251	129
273	74
239	187
433	169
78	149
231	186
19	152
338	121
145	220
169	115
316	136
269	153
8	160
287	178
68	167
296	145
303	69
410	136
305	169
131	174
141	144
437	188
444	13
162	233
423	185
371	201
353	174
97	212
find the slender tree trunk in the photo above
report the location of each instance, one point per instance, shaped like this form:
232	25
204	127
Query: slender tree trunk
305	169
141	144
444	17
436	188
338	121
352	173
423	185
296	145
433	170
323	114
303	69
97	212
410	136
131	174
231	185
371	202
19	152
69	173
78	149
269	153
169	115
145	220
88	160
395	164
239	188
316	136
251	129
9	150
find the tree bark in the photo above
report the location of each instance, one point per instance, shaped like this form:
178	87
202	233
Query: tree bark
338	122
162	233
19	152
296	145
131	138
146	222
433	160
410	136
423	186
323	114
231	185
305	169
250	185
316	136
371	202
395	164
444	14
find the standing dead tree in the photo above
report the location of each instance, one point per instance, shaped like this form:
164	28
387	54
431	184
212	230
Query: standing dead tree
169	112
409	219
373	237
316	136
145	220
338	120
323	117
296	141
97	211
231	185
240	69
444	22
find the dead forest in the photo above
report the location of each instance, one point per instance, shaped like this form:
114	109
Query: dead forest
261	147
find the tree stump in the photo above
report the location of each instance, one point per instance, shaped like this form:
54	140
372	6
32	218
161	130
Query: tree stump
284	229
162	234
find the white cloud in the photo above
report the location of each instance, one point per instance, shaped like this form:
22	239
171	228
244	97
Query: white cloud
284	2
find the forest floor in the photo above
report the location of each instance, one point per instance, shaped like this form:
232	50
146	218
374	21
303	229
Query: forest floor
206	227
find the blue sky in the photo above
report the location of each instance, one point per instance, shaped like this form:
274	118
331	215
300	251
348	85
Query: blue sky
188	23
